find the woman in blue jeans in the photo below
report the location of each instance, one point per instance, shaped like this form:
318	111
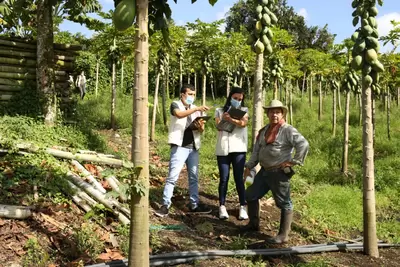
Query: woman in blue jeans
231	149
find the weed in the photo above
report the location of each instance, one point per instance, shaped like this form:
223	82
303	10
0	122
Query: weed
35	254
88	241
238	243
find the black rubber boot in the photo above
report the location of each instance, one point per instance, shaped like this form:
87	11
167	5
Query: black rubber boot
253	210
284	228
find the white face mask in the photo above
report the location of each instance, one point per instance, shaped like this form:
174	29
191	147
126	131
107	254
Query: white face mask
189	99
235	103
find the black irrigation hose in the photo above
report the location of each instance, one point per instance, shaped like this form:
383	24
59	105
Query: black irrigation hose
189	256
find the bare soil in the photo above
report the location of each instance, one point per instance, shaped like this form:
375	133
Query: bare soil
180	231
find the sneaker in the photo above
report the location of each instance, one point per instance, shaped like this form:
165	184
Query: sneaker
223	214
162	212
243	213
201	208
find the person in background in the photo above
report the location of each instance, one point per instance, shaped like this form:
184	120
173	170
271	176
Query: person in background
273	151
231	149
185	145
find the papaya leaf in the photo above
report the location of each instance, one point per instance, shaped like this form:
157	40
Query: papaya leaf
212	2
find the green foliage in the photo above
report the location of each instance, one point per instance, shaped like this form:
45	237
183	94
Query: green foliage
88	241
35	254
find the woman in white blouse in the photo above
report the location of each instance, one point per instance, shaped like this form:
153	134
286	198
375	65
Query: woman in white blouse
231	148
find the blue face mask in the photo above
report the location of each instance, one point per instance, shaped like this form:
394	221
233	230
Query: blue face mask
189	100
235	103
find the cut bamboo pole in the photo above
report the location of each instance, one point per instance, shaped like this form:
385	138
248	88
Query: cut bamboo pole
14	212
5	97
112	182
31	44
10	88
88	176
89	189
19	53
32	62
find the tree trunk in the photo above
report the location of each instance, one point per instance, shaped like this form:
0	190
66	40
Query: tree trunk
155	104
369	212
164	102
195	81
241	81
212	87
97	77
248	86
339	101
113	97
203	93
310	92
346	134
275	96
180	76
388	112
258	98
167	83
139	227
228	85
304	84
45	61
291	105
398	96
334	115
122	75
320	101
188	78
360	110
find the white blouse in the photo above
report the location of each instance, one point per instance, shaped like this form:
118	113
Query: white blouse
236	141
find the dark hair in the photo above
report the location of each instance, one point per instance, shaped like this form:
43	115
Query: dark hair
234	90
186	86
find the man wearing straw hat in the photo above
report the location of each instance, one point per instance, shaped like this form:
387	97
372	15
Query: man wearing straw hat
273	151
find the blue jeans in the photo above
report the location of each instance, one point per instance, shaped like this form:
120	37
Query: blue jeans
276	181
180	156
237	160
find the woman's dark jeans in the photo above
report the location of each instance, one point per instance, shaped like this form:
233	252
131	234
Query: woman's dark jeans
237	160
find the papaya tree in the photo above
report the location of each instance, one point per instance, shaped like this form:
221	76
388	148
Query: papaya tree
365	58
139	227
260	41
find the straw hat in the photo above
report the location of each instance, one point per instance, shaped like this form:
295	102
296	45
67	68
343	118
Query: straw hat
276	104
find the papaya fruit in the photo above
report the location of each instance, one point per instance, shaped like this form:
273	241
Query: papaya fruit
266	10
270	34
265	2
355	21
359	45
265	40
274	19
377	66
371	55
273	72
259	9
259	47
266	20
373	42
375	76
354	4
367	30
375	33
356	62
268	49
373	11
365	14
124	14
354	14
366	69
367	81
355	35
258	27
372	22
364	22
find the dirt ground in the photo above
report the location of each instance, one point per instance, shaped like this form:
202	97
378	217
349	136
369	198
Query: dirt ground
180	231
